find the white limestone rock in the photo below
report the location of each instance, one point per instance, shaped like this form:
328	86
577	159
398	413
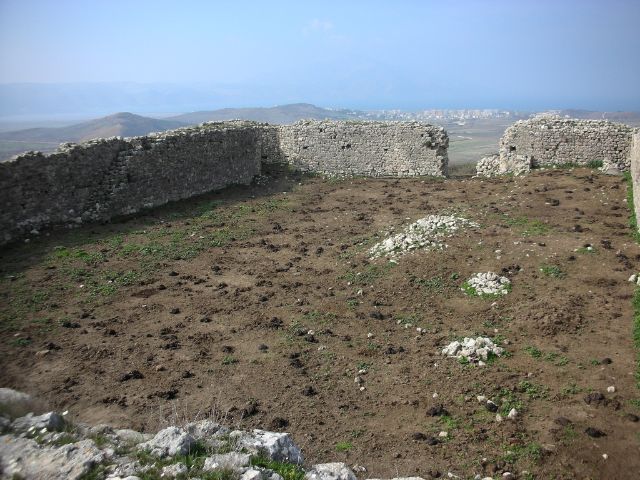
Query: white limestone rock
330	471
15	404
24	458
474	350
231	460
169	442
52	421
174	470
251	474
276	446
488	283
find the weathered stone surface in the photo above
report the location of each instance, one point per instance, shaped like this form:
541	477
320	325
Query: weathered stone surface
231	460
24	458
251	474
276	446
16	404
330	471
132	437
550	140
374	149
634	159
169	442
174	470
52	421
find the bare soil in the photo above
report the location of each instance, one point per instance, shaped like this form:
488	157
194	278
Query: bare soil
204	307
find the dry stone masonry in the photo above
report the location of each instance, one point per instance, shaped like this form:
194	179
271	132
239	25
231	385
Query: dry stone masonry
635	172
102	179
370	149
551	140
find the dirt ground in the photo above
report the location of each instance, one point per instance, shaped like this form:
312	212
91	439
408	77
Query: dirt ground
204	307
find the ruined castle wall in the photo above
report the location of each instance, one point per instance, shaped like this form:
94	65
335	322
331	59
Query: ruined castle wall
102	179
375	149
634	159
549	141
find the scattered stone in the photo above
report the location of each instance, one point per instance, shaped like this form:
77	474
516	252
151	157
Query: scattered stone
133	374
611	389
594	432
632	417
437	411
488	283
513	414
427	233
473	350
594	398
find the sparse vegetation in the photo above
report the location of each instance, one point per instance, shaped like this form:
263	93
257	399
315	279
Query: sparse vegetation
552	271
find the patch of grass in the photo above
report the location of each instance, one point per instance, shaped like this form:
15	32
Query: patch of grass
288	471
533	351
449	422
571	389
369	275
344	446
229	360
20	342
552	271
527	226
509	400
352	302
435	284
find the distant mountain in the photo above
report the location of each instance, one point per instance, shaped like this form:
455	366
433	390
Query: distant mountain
119	124
281	114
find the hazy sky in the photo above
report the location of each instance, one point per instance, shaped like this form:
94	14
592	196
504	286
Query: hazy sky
361	54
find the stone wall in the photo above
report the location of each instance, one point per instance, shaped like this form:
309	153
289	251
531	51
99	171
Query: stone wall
375	149
635	173
549	140
102	179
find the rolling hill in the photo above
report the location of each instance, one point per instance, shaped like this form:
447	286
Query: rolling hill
281	114
119	124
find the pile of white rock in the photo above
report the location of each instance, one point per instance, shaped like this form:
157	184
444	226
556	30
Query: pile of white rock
488	283
488	166
426	233
474	350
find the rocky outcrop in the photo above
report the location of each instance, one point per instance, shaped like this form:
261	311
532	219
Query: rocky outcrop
50	447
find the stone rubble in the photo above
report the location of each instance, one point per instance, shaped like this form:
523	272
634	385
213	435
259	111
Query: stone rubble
427	233
488	283
473	350
62	450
